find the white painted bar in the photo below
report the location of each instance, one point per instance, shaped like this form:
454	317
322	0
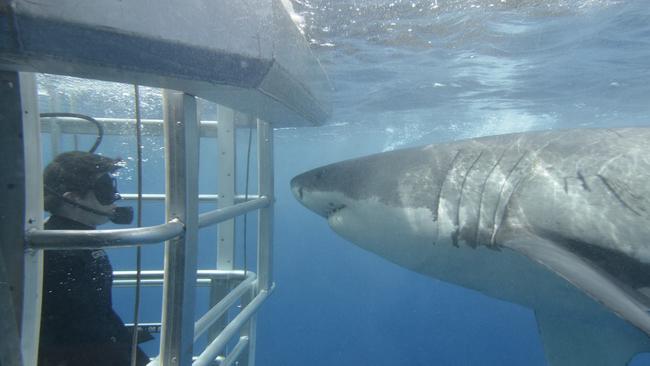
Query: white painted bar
226	164
33	262
202	197
181	157
235	275
212	315
222	214
94	239
155	278
266	188
236	352
114	126
214	348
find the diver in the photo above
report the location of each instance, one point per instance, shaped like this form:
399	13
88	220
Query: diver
78	324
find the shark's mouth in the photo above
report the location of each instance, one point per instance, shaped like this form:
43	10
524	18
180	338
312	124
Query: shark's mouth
334	209
335	218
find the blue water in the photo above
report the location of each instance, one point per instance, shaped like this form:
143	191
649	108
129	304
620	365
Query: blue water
411	72
404	73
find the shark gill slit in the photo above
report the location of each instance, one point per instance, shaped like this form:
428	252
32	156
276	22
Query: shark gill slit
503	185
583	181
442	184
480	200
505	206
454	237
616	195
497	224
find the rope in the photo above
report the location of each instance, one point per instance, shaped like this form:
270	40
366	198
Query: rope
138	256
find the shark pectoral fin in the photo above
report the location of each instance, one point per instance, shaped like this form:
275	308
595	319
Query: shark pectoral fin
607	332
577	342
584	275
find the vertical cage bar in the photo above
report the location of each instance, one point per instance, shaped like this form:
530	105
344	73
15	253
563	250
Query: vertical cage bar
181	157
226	180
265	226
249	331
266	188
12	205
33	262
227	161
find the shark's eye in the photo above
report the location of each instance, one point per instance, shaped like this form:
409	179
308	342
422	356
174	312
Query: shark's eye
319	174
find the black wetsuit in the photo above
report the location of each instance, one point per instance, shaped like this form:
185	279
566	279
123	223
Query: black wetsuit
78	325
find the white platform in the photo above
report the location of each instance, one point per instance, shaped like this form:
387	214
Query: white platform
246	54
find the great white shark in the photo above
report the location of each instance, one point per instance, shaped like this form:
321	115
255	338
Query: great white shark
557	221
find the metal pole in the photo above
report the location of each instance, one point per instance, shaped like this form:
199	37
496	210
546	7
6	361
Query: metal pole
266	188
226	185
181	157
12	205
212	315
217	345
236	352
10	352
202	197
220	214
33	262
112	126
111	238
265	226
226	179
248	332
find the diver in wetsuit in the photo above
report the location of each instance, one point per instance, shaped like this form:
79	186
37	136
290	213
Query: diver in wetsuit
79	325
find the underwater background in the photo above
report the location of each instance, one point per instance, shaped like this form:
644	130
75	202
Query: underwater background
403	73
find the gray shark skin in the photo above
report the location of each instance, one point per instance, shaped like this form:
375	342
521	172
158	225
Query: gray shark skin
557	221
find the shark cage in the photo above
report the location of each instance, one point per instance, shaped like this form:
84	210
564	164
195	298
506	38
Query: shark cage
246	56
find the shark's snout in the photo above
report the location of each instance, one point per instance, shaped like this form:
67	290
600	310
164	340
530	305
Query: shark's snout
305	187
297	188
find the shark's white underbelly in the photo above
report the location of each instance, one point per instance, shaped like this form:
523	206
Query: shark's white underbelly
499	273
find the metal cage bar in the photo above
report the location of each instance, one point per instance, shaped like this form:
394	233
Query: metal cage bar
266	188
226	185
12	200
217	345
113	238
209	274
202	197
264	230
155	277
113	126
181	157
236	353
219	309
10	344
180	275
248	334
33	258
222	214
